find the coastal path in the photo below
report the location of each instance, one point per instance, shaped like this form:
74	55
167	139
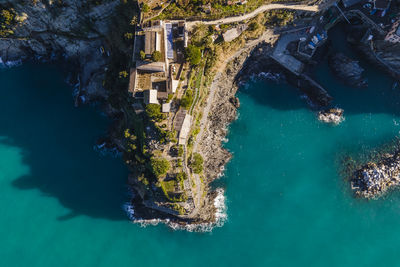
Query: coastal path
261	9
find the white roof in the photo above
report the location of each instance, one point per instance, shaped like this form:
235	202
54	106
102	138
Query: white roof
166	107
174	85
150	97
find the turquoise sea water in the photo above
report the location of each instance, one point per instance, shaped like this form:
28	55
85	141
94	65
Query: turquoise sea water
60	201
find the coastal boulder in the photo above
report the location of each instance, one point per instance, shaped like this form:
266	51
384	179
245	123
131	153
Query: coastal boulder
332	116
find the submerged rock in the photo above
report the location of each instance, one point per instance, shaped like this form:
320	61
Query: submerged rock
235	102
374	179
347	70
333	115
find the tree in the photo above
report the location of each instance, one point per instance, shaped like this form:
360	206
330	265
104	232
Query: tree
159	166
197	163
142	55
154	112
193	54
187	99
156	56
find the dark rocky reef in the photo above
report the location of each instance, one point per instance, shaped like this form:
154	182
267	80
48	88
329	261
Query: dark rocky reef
347	70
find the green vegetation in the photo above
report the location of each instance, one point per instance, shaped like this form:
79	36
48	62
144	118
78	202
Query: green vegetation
7	22
154	112
156	56
210	9
279	17
193	55
169	188
180	151
187	99
196	163
145	7
178	208
159	166
142	55
130	141
182	176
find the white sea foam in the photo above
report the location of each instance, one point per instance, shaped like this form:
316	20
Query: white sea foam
220	217
276	77
104	151
10	63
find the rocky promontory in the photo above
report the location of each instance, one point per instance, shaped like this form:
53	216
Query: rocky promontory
347	70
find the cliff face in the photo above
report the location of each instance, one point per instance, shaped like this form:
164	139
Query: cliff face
55	29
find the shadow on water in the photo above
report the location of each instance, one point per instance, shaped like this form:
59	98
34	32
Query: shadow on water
379	97
57	143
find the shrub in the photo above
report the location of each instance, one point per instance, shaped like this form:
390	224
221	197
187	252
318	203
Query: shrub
193	55
156	56
197	163
159	166
180	151
142	55
145	8
154	112
187	99
182	176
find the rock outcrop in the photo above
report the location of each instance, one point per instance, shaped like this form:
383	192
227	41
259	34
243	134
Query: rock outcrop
374	179
332	116
348	70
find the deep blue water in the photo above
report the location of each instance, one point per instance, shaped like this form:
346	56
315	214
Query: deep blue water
60	201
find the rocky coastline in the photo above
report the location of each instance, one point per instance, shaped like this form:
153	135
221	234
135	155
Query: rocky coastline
58	36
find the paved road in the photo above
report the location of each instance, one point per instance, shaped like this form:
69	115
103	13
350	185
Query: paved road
261	9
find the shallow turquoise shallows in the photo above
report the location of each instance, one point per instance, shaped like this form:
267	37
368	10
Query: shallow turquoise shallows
60	201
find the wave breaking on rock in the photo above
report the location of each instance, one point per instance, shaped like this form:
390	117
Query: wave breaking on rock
220	217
